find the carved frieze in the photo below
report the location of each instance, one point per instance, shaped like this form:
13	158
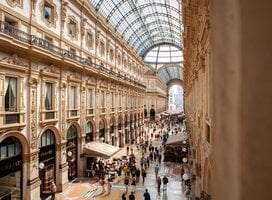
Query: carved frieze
14	60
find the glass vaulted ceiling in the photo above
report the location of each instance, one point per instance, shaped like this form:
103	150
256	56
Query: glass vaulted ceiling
145	24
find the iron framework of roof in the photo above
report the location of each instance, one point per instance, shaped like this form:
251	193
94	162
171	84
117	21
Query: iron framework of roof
146	24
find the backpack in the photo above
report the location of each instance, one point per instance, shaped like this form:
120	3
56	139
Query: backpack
165	180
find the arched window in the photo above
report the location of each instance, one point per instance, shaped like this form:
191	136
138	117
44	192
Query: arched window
47	139
10	147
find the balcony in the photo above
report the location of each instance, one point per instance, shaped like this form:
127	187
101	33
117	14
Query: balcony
103	110
12	31
112	109
15	33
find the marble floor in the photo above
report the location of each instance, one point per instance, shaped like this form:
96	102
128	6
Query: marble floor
83	188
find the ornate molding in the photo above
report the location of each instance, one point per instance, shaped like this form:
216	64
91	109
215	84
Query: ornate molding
17	3
14	60
97	38
64	5
55	14
83	26
33	118
74	36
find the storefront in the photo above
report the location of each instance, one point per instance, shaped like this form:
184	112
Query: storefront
101	131
47	163
112	132
89	132
120	132
11	169
71	150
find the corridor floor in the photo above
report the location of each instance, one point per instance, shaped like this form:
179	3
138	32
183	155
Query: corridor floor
83	189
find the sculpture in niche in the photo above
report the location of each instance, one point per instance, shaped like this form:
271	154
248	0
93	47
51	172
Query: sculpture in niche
82	26
97	37
63	12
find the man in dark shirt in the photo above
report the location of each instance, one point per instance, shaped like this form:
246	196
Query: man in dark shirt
146	195
131	196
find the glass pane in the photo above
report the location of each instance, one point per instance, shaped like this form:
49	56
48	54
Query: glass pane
3	152
11	150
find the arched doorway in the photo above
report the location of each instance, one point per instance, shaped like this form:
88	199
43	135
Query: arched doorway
120	131
89	133
101	131
11	169
131	129
71	150
47	162
145	113
152	114
112	131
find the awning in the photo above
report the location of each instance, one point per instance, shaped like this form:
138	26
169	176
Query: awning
176	139
97	149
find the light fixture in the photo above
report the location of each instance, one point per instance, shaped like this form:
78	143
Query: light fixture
41	165
69	153
184	160
184	149
184	141
185	177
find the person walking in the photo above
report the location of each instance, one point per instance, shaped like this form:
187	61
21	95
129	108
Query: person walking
143	175
157	170
109	187
53	189
164	181
146	195
124	196
131	196
159	184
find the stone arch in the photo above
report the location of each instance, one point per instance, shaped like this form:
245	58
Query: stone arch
92	122
174	82
79	133
152	114
54	130
20	137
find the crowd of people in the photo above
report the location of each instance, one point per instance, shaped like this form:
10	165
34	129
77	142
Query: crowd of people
131	171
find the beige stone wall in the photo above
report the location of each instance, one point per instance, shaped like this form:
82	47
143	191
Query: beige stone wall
155	94
65	61
196	88
236	81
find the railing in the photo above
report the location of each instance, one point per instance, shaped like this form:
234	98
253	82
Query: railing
12	31
46	45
